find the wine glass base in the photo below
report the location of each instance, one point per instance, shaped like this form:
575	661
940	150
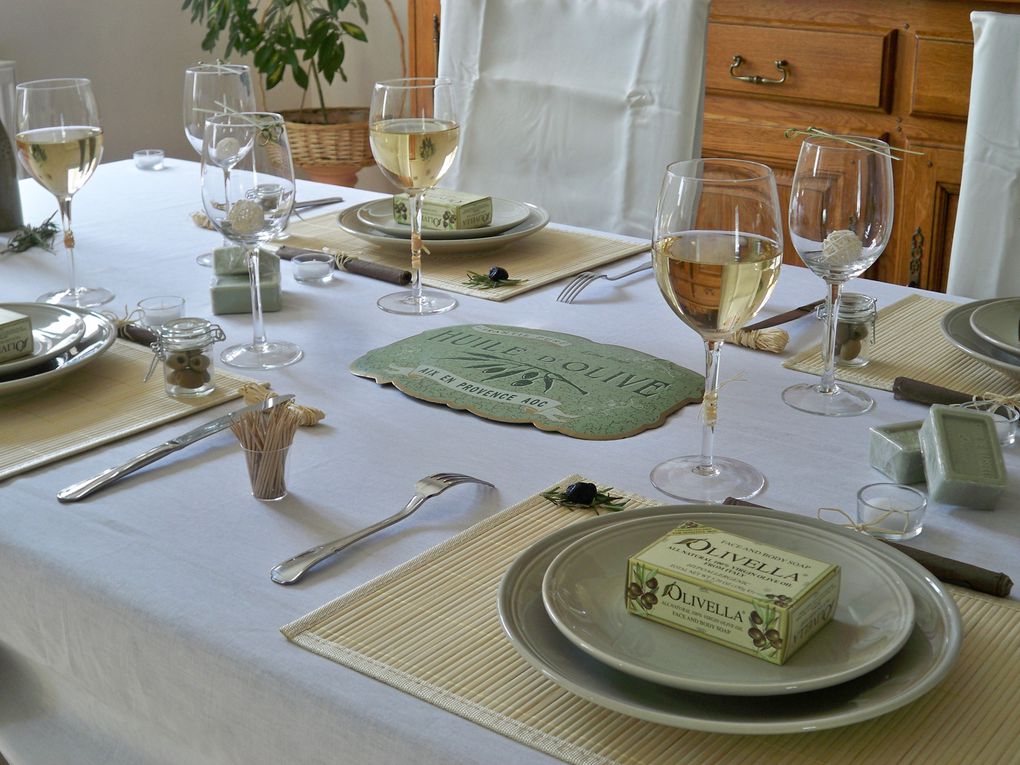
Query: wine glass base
682	478
269	355
82	297
205	259
405	303
844	401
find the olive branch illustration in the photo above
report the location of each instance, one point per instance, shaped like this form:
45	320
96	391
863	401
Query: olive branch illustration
498	368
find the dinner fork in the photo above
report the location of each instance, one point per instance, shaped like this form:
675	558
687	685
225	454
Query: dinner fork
293	569
582	280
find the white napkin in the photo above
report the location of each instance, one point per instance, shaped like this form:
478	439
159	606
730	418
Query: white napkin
985	261
575	105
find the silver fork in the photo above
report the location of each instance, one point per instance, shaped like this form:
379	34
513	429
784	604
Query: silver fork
582	280
293	569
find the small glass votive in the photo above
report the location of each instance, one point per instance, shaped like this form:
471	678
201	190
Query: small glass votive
267	470
1005	417
313	267
890	511
157	311
149	159
855	328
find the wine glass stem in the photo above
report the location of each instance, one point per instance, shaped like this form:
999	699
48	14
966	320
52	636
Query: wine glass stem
710	407
832	298
255	279
65	219
415	197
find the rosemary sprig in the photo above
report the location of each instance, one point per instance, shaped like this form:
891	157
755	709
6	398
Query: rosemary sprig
586	495
486	282
28	236
865	144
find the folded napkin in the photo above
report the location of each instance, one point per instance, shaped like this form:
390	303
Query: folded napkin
946	569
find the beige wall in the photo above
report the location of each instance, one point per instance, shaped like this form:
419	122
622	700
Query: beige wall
135	53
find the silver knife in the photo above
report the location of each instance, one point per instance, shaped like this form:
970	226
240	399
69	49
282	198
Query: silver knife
82	489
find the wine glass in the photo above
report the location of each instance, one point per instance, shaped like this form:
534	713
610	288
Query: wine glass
414	133
717	246
60	144
841	216
211	89
248	194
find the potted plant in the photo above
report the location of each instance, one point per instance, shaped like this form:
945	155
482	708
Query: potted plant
308	40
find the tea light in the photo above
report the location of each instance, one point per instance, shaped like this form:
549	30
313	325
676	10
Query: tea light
149	159
891	511
313	267
157	311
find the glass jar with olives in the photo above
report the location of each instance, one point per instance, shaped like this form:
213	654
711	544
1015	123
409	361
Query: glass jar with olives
185	347
855	329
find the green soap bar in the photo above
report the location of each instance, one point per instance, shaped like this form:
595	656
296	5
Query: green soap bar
229	260
896	451
232	294
446	209
962	457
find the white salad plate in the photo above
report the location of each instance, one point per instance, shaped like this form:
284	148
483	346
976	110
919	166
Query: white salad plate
506	213
97	338
923	661
535	222
54	330
998	322
583	594
957	329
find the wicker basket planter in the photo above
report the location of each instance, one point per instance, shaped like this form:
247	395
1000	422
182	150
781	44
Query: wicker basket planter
332	152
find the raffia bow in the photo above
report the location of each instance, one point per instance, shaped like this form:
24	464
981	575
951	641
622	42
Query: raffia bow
872	526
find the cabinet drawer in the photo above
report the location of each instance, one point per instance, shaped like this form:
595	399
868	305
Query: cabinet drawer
942	70
849	68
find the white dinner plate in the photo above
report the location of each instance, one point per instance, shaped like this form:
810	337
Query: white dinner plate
925	659
583	593
536	221
98	337
957	330
54	330
998	322
506	213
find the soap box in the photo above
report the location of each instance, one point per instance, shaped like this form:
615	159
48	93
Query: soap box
962	457
734	591
445	209
15	335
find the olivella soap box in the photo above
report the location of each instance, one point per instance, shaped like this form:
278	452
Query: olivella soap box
15	335
446	209
734	591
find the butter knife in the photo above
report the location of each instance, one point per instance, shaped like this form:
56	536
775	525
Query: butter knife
82	489
783	318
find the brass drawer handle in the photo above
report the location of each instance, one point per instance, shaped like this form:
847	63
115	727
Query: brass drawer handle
757	79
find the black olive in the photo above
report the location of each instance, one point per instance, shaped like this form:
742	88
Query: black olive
498	274
581	493
652	584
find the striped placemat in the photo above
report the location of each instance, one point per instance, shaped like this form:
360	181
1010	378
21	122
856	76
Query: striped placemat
542	258
430	628
106	402
909	343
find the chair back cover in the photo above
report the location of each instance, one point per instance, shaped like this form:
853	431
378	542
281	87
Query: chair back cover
985	260
575	105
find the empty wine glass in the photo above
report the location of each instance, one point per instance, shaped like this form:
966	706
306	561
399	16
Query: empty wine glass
248	194
211	89
717	247
841	216
60	144
414	134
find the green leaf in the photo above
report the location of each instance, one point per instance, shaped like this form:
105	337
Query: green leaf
354	31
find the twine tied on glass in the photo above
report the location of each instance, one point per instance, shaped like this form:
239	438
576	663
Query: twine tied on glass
266	437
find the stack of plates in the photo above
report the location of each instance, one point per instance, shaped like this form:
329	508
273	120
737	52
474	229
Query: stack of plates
895	634
64	341
987	330
374	222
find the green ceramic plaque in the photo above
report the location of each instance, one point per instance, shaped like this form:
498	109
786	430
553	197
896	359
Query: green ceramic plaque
556	382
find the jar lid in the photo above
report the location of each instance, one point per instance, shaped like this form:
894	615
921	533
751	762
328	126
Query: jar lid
188	332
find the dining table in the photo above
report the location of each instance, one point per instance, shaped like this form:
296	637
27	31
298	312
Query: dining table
140	625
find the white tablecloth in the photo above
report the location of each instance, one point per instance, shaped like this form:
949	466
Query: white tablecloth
141	626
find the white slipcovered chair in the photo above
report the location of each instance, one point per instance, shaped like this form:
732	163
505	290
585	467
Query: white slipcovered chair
985	260
575	105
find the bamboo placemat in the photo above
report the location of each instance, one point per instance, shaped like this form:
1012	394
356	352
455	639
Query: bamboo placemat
105	401
541	258
430	628
909	343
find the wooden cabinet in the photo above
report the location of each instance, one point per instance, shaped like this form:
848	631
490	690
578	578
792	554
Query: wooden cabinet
899	71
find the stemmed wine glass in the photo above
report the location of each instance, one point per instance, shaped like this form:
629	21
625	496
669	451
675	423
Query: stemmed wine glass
841	215
717	247
248	194
414	133
211	89
60	143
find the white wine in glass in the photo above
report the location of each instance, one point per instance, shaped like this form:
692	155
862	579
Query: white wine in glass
717	248
60	143
414	134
